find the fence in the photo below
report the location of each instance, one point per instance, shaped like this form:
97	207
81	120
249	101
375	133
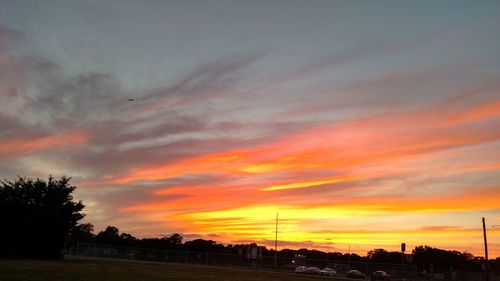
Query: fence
224	259
171	256
397	271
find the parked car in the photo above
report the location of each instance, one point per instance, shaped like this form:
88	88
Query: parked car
355	274
328	272
300	269
380	275
312	270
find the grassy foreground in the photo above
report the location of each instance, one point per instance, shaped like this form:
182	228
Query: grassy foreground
97	270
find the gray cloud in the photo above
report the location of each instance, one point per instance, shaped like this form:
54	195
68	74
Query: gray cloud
96	104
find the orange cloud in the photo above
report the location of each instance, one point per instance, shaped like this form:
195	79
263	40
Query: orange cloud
333	174
484	111
24	147
306	184
332	147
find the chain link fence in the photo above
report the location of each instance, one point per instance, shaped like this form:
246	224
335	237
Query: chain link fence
224	259
397	271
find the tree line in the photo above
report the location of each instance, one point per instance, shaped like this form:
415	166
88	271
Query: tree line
40	219
422	256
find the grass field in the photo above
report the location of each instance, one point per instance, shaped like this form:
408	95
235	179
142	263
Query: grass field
96	270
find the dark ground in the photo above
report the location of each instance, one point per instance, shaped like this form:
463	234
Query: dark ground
98	270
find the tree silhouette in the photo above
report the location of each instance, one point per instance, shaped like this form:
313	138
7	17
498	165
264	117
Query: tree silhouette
175	239
81	233
424	256
108	236
381	255
37	217
202	245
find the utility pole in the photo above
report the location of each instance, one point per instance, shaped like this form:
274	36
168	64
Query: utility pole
276	245
327	251
403	249
349	257
486	269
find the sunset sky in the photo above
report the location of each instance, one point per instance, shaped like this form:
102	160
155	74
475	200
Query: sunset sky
363	123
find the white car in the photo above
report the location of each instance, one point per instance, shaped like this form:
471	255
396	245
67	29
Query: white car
312	270
300	269
328	272
355	274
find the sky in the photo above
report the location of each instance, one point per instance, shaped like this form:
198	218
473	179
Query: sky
364	124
